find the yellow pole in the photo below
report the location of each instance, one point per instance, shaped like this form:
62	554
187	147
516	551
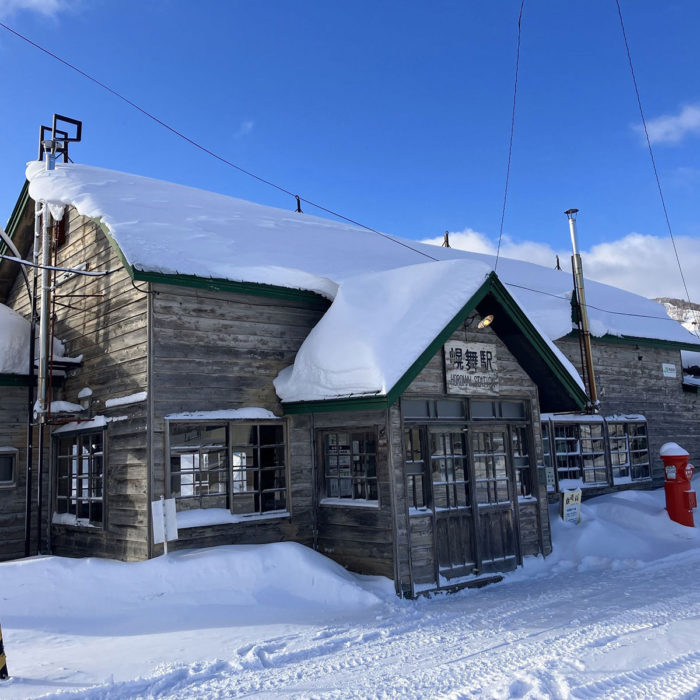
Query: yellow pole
3	661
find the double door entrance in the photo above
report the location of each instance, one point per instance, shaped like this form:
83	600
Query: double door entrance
464	478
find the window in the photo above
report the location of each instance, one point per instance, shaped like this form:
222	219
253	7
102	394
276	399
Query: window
198	465
259	477
350	465
580	452
8	465
80	477
521	460
629	453
233	465
597	452
415	467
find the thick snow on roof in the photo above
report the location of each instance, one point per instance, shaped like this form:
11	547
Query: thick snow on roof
14	343
377	326
169	228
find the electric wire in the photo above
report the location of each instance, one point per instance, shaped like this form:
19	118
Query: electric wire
85	273
206	150
591	306
651	156
510	142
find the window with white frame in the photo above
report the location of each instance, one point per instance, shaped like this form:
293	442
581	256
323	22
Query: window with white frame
8	466
235	465
629	451
80	477
596	452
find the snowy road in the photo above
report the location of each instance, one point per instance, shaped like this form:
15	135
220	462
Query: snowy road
577	625
613	634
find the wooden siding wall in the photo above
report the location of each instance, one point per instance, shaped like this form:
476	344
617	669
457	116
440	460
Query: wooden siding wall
214	351
630	380
13	433
110	332
415	543
358	537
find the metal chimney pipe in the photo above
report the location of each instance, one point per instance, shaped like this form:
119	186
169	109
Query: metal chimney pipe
44	313
581	296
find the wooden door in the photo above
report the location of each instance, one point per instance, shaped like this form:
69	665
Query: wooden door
497	543
451	501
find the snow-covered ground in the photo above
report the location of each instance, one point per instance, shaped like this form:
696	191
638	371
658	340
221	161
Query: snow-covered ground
614	613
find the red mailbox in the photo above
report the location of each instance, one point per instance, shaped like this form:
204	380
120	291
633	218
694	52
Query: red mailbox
680	499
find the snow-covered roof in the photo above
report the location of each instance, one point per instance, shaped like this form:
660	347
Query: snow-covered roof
164	227
391	296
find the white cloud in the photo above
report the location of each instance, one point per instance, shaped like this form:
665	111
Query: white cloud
48	8
244	129
642	264
672	128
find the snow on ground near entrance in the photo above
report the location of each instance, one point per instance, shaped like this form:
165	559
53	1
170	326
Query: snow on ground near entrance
169	228
613	612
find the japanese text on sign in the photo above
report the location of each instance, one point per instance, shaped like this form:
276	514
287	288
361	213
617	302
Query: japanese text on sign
470	368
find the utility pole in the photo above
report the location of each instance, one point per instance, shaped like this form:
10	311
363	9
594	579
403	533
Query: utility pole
580	292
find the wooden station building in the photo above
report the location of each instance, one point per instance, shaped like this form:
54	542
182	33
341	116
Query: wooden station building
284	377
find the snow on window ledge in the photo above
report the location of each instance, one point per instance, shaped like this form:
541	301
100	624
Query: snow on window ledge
203	517
70	519
350	502
126	400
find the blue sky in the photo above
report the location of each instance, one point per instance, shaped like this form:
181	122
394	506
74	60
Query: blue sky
396	114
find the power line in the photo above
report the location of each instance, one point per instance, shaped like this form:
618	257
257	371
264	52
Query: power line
590	306
206	150
651	153
510	142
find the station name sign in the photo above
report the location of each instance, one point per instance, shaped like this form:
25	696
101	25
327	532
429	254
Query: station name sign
470	368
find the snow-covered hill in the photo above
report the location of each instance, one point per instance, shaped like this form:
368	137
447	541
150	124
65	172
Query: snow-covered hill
686	312
614	612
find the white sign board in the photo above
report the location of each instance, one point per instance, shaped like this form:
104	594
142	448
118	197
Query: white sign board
164	520
571	506
669	370
470	368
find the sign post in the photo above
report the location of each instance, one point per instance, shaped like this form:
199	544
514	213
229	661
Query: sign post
164	522
571	506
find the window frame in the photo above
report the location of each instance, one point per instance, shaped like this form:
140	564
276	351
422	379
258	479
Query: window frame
322	482
230	425
77	437
510	424
13	452
548	426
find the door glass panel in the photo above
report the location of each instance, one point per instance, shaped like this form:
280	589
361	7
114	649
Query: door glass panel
448	456
490	468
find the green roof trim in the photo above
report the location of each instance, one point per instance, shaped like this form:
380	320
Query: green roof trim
213	283
14	380
16	215
649	342
360	403
491	285
224	285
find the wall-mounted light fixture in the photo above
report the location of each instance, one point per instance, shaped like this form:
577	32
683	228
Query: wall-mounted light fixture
486	321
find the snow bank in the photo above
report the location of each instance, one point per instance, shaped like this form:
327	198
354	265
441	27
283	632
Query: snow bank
163	227
231	585
629	529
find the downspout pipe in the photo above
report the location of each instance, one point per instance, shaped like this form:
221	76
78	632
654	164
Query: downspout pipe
581	296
